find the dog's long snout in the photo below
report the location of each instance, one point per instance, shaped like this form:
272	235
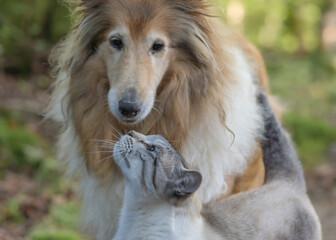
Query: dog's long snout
129	105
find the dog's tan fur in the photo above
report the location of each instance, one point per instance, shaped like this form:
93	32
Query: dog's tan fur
190	83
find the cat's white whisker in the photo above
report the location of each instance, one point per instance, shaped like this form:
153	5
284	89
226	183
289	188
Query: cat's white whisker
100	152
103	140
117	131
108	146
119	152
102	160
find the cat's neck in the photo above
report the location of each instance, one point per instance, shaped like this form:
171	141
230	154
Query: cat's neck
141	218
153	219
188	222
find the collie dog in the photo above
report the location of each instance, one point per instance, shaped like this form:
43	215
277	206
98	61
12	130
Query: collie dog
157	67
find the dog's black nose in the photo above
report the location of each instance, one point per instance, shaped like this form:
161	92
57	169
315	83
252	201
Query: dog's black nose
129	109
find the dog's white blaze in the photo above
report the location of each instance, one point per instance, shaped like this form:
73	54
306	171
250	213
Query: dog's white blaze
160	66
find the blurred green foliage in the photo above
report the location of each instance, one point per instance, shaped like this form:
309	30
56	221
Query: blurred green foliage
283	26
17	145
14	213
21	147
312	137
23	150
306	86
55	234
60	224
28	29
63	214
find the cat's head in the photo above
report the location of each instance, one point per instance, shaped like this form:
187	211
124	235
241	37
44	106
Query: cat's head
151	164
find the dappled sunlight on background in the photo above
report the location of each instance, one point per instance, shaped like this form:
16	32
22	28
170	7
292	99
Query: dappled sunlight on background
297	39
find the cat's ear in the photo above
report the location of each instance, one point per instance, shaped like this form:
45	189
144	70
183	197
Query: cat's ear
187	184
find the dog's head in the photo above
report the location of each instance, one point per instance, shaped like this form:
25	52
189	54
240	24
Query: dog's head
127	61
140	44
137	51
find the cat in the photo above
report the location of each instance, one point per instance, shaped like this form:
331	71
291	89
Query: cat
161	201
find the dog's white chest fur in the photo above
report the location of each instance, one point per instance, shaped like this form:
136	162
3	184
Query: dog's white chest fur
215	151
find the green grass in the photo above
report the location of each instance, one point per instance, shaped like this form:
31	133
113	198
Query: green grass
13	214
16	144
20	146
62	223
66	215
311	136
55	234
23	150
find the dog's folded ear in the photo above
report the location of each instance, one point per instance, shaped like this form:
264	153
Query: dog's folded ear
186	184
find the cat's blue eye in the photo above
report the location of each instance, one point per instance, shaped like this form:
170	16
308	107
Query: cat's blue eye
151	148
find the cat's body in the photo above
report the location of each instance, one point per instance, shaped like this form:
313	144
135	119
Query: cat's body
159	202
157	220
152	207
145	220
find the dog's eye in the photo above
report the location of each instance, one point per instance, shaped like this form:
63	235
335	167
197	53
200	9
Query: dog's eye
150	148
157	46
116	43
